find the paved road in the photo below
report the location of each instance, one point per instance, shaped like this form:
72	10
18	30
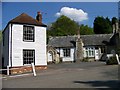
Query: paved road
69	75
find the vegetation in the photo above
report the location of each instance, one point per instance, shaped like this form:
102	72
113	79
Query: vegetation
85	59
114	20
112	61
64	26
118	51
102	25
0	35
86	30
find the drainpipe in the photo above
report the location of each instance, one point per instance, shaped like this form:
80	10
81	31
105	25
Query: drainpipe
11	46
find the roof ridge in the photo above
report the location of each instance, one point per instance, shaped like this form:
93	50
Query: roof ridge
26	19
80	35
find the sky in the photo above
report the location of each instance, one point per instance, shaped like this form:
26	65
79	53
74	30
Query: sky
81	12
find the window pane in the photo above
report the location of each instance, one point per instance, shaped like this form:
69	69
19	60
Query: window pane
28	56
28	33
66	52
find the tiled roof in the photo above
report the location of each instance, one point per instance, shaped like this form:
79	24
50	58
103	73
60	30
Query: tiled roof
26	19
88	40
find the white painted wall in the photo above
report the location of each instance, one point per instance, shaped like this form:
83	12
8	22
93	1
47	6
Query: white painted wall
49	57
97	52
91	48
71	58
18	45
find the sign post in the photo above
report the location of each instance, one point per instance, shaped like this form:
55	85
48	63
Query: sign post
117	59
7	70
33	68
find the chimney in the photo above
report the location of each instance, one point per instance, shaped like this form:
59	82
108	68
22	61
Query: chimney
116	27
39	17
113	28
78	33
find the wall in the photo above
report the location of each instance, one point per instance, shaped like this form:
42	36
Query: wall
6	46
0	54
18	45
96	50
64	59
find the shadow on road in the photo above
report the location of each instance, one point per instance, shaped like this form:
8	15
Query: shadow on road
108	84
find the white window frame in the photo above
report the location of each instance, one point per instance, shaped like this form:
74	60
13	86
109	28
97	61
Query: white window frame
90	51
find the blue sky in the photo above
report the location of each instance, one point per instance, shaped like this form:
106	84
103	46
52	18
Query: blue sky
12	9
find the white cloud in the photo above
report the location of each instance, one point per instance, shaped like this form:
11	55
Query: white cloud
77	15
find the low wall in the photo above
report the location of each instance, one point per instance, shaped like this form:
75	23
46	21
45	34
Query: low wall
24	69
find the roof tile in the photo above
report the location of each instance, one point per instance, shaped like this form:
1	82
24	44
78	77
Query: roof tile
26	19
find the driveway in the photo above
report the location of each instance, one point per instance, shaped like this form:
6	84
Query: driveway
69	75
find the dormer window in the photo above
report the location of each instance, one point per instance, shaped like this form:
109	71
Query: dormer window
28	33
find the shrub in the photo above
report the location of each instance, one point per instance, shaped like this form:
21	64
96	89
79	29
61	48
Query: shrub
85	59
112	61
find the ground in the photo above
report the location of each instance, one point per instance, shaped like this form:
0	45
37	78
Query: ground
69	75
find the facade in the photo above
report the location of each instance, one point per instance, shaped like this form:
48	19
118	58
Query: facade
24	42
52	55
90	46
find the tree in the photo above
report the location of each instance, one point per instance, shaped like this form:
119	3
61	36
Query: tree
85	30
102	25
63	26
0	35
114	20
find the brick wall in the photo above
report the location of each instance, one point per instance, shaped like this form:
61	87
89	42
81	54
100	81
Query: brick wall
21	70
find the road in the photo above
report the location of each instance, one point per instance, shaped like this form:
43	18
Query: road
69	75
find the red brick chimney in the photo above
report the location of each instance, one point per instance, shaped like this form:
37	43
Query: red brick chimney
39	17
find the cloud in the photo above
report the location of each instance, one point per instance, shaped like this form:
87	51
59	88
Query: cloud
77	15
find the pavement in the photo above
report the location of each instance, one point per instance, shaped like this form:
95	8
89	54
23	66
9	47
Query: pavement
68	75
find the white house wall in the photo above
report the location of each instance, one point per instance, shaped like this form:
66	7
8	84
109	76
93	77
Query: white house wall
6	47
97	52
18	45
71	58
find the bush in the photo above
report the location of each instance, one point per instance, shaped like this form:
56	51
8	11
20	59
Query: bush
85	59
112	61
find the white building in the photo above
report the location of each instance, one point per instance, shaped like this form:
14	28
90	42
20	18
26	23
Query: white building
66	46
24	42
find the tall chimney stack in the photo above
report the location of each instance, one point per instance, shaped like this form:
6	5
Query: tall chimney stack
113	28
116	27
39	17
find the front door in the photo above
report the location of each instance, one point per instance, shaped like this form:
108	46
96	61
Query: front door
50	56
96	54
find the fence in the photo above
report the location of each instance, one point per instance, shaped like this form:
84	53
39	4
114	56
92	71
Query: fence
8	69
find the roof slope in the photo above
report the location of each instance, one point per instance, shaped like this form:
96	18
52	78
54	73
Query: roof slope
96	39
26	19
88	40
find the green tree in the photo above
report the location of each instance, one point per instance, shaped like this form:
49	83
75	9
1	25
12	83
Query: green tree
63	26
102	25
114	20
0	35
85	30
